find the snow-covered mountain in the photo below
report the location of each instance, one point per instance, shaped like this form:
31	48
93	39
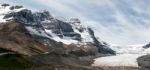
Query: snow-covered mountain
52	31
50	27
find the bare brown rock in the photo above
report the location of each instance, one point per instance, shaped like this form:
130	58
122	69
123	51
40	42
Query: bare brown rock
14	37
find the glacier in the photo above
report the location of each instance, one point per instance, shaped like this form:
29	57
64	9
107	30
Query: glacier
126	56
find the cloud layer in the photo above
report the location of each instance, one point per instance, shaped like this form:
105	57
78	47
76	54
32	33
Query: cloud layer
115	21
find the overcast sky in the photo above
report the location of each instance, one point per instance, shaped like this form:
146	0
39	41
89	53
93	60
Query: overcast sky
114	21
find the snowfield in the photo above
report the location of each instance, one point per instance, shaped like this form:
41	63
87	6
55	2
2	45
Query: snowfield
126	56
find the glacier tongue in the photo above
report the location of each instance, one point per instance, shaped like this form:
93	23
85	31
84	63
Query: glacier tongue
118	60
126	56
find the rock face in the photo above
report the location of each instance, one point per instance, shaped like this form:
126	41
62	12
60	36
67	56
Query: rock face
144	61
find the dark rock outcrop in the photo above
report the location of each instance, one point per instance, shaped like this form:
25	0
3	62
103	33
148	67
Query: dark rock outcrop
147	46
4	5
144	61
15	7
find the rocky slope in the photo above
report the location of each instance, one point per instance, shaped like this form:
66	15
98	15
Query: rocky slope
14	37
45	40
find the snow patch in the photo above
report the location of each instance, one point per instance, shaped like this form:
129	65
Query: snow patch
65	40
36	32
86	37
